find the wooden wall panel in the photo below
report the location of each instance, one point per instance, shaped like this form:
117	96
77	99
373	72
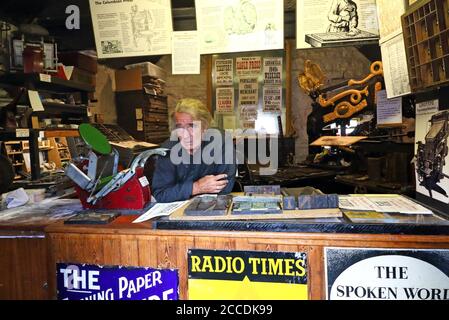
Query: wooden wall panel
111	250
23	269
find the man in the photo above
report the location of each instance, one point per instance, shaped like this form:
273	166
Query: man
343	17
176	180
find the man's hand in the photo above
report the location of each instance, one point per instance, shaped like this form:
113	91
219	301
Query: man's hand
210	184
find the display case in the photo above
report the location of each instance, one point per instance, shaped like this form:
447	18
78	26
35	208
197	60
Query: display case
426	37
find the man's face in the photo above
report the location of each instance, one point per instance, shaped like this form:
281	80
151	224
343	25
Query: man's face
189	131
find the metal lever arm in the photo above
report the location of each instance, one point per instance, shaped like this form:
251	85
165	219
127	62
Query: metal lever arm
124	176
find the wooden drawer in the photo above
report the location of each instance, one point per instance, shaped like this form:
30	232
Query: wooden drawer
157	104
156	118
155	127
156	109
156	138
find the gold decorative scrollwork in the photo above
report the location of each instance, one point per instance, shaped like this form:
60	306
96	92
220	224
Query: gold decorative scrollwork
376	69
344	110
356	97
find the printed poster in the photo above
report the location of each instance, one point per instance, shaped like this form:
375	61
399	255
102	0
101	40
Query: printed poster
431	152
272	71
248	116
94	282
224	72
225	100
237	26
389	111
185	54
331	23
394	59
272	99
131	28
248	66
389	13
392	46
386	274
248	92
240	275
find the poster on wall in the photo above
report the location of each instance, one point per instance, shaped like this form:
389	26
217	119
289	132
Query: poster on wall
331	23
248	66
239	25
392	45
95	282
388	111
394	59
386	274
248	92
224	72
248	116
272	99
431	151
272	71
240	275
224	100
185	54
131	28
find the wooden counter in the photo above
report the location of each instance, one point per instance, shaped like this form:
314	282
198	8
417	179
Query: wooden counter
127	244
23	262
24	254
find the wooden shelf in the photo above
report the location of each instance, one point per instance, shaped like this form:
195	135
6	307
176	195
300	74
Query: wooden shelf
60	108
55	84
426	37
52	133
40	149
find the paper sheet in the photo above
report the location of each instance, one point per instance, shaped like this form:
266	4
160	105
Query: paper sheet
389	111
185	53
160	210
382	203
237	26
131	28
35	101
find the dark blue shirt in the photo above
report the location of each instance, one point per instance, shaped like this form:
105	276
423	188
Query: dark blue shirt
174	182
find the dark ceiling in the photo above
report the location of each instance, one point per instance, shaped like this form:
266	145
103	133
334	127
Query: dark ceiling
51	15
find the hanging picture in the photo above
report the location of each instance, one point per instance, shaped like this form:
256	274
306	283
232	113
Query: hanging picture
248	66
272	71
131	28
239	25
248	92
431	161
331	23
225	100
224	72
272	99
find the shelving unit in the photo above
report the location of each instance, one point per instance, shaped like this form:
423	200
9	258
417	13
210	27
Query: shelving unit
426	36
13	150
69	113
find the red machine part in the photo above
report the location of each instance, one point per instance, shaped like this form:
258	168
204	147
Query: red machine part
133	195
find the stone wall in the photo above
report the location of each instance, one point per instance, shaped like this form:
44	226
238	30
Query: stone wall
105	94
184	86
